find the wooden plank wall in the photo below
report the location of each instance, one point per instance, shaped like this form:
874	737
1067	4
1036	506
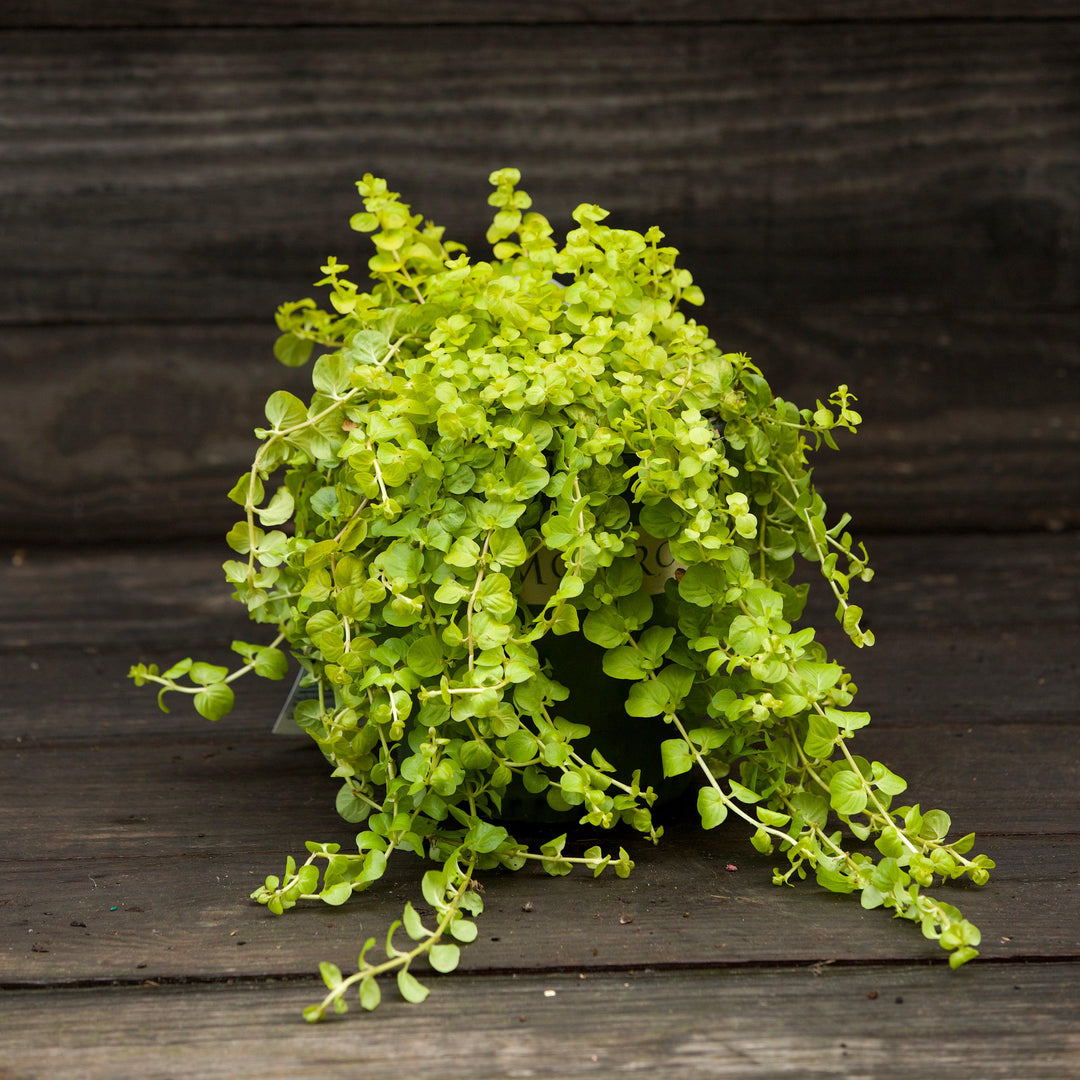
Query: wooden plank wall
881	193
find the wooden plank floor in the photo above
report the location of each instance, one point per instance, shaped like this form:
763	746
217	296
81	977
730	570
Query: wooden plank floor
129	841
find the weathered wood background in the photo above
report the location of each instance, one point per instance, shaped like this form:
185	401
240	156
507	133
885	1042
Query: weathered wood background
130	840
880	193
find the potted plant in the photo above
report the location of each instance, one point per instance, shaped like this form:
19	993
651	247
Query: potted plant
552	413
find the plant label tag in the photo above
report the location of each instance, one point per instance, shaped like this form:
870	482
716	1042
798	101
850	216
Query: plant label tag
541	574
285	724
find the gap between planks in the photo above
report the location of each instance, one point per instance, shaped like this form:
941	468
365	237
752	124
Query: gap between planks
1000	1022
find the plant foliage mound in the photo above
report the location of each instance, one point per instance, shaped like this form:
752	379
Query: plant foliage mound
467	417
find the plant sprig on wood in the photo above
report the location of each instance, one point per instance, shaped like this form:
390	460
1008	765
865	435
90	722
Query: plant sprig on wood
466	416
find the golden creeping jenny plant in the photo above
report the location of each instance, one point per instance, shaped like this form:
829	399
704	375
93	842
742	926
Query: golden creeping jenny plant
467	415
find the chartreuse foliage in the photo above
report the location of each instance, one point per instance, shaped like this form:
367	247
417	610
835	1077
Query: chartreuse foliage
465	415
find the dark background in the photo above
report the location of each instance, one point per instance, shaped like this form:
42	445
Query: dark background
880	193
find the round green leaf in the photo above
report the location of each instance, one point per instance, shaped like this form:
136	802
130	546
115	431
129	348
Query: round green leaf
464	930
370	994
676	757
215	701
847	793
444	958
271	663
711	807
648	699
412	990
337	894
292	351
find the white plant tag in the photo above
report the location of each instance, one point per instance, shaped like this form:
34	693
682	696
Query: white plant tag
285	724
541	574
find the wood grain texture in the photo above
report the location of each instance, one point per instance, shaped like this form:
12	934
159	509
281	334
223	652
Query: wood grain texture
220	793
159	816
192	176
894	206
878	192
114	431
201	13
994	619
994	675
995	1022
138	431
165	595
113	918
130	842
